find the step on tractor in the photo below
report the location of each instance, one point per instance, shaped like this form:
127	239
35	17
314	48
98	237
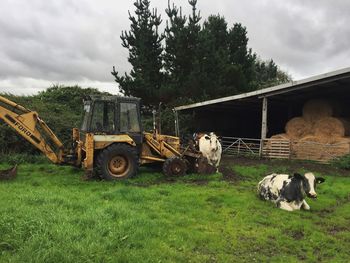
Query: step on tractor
110	143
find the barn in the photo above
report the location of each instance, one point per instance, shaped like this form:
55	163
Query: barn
267	121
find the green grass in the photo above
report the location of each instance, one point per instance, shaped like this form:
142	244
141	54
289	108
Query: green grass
48	214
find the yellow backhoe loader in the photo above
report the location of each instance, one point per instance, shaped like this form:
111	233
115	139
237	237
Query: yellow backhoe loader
110	143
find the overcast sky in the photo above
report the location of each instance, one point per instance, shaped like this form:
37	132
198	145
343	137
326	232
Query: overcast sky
46	42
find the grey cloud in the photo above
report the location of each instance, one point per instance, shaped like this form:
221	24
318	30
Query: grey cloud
305	37
74	41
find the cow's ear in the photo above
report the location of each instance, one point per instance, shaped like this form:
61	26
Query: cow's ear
320	180
298	176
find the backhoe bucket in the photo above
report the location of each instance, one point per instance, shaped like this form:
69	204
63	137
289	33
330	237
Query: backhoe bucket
9	173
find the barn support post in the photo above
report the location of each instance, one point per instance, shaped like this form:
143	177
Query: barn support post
263	124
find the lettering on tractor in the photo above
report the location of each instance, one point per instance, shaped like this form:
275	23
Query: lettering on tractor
22	128
110	143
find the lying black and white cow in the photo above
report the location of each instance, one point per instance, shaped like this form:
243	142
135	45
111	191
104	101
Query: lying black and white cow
288	192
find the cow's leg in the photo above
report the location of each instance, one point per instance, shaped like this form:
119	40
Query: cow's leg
284	205
219	159
217	167
305	205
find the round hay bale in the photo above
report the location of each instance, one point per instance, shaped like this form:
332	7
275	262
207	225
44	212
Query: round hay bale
320	148
315	110
329	127
309	148
342	140
311	138
298	127
340	147
281	136
319	138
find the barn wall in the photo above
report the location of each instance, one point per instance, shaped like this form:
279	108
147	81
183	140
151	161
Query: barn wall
229	122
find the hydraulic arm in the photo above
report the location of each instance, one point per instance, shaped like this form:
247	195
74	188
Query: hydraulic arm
28	124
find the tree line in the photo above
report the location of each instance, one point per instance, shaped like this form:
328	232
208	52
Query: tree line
61	107
191	59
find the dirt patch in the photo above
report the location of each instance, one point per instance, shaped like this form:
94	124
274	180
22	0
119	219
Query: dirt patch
8	174
333	230
327	211
198	182
183	179
297	234
229	174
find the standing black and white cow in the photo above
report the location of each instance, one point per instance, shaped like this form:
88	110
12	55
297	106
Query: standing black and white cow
288	192
210	146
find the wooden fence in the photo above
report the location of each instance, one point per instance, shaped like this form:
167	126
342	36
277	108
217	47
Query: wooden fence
276	148
284	149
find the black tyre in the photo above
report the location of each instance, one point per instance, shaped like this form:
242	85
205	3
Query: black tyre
174	167
118	161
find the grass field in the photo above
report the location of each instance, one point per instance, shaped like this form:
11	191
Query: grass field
48	214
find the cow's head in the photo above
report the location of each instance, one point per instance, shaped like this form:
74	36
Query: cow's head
309	182
214	141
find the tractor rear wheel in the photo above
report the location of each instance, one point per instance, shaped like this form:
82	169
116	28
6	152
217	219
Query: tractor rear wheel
174	167
118	161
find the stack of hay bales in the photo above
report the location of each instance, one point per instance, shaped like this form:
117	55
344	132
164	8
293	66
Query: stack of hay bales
318	135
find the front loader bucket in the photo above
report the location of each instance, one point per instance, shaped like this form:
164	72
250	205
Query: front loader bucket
9	173
204	167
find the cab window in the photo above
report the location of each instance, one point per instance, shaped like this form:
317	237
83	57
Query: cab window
87	108
103	117
129	118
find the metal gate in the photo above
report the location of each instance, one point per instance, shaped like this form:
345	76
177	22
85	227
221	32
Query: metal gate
240	146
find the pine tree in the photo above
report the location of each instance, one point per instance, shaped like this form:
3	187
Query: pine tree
192	85
176	53
268	74
145	48
241	56
181	53
214	56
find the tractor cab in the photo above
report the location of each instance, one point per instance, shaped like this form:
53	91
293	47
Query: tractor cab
112	115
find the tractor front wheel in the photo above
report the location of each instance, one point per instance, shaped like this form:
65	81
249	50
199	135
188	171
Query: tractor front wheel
174	167
118	161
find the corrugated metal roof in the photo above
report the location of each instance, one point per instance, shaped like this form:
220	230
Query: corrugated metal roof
279	89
